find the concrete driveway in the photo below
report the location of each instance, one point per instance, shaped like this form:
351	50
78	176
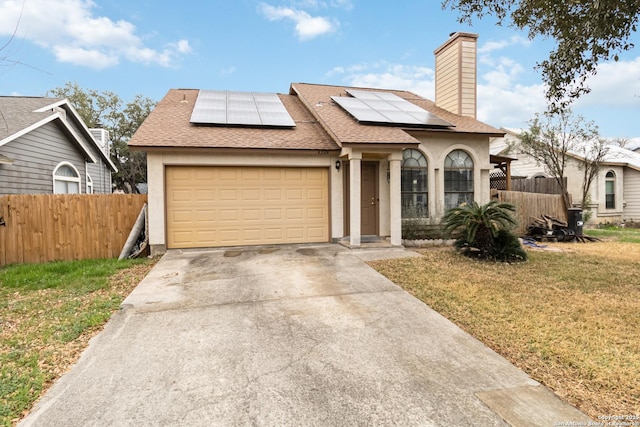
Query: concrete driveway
289	335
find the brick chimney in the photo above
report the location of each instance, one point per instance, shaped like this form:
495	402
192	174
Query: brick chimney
456	74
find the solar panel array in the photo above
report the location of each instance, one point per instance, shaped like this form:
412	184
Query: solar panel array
387	108
216	107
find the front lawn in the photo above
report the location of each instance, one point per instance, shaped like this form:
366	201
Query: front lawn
629	235
569	319
48	313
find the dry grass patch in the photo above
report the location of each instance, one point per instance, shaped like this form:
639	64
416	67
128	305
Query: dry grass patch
569	319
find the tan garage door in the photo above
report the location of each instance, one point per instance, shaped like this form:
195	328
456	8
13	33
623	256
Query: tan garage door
230	206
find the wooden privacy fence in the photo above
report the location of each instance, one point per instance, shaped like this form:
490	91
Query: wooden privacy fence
530	205
537	185
498	181
48	227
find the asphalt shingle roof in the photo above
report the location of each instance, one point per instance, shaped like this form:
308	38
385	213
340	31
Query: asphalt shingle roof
17	113
347	130
168	126
321	124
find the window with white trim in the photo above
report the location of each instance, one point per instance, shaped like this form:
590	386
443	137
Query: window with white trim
89	184
610	190
66	179
458	179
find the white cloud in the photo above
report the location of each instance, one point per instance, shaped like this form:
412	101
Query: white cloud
492	46
384	75
510	105
616	84
72	32
317	4
503	100
181	46
503	73
344	4
307	27
84	57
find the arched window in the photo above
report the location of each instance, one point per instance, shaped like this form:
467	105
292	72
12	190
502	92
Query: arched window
89	184
414	185
66	179
458	179
610	190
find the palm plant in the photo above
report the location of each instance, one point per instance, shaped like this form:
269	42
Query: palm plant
476	226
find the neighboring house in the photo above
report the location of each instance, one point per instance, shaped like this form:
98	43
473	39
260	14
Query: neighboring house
321	163
45	147
615	192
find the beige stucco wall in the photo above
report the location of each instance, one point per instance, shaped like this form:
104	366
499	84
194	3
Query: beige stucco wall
436	150
156	162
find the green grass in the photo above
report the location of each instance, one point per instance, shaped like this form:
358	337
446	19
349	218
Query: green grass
629	235
569	318
48	312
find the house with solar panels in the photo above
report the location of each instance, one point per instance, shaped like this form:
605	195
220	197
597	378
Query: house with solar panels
321	163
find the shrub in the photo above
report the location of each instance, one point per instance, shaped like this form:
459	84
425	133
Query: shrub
483	231
507	247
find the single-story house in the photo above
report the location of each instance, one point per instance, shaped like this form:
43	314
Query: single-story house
321	163
615	192
45	147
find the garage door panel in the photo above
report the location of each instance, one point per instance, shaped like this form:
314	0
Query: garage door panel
295	213
251	194
228	194
273	194
273	175
181	195
229	235
205	195
295	233
229	215
317	232
252	214
273	214
227	174
250	174
226	206
316	194
205	236
252	235
317	213
294	194
274	234
293	174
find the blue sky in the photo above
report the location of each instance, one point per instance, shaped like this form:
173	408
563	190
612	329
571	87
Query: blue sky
149	46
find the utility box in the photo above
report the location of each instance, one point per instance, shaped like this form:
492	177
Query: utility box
575	222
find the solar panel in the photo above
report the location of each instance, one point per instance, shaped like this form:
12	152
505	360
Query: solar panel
210	107
385	107
241	109
359	109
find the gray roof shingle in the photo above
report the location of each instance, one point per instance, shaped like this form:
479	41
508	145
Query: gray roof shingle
18	113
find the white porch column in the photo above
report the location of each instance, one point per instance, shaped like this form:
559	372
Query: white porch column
354	199
439	196
395	199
